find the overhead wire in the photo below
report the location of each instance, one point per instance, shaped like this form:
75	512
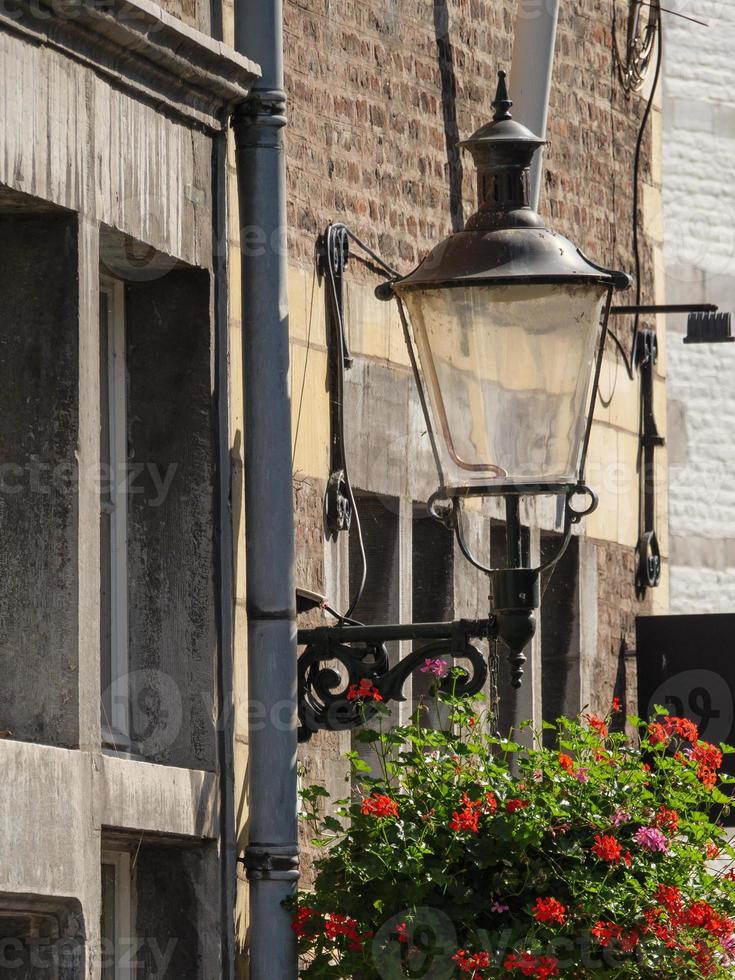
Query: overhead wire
629	358
306	361
636	185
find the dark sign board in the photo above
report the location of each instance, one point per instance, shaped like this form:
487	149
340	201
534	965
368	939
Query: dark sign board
687	665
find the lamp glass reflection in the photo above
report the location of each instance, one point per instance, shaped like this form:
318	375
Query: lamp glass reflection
509	371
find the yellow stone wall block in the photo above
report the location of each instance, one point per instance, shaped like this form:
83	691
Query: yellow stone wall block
653	212
368	321
603	524
306	306
310	429
660	595
628	488
618	399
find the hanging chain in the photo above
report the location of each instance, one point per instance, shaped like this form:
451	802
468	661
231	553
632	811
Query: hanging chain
494	694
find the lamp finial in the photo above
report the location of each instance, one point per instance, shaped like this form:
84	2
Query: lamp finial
502	103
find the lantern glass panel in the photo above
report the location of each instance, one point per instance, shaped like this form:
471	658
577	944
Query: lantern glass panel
509	370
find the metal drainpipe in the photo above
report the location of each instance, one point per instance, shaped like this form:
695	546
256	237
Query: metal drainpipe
534	40
271	857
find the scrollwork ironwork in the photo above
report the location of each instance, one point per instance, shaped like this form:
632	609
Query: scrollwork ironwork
328	697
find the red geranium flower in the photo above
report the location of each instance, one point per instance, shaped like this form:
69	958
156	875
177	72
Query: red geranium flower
549	910
682	727
336	925
607	848
657	734
597	724
669	896
471	962
468	818
606	932
380	805
513	805
364	691
301	923
707	755
667	820
532	966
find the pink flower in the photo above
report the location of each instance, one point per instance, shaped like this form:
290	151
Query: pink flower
728	950
582	776
620	816
439	668
652	839
498	906
537	775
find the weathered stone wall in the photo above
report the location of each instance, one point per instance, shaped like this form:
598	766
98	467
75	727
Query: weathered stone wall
120	130
699	219
39	357
106	155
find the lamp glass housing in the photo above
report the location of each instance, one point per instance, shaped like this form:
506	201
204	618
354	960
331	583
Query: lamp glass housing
509	370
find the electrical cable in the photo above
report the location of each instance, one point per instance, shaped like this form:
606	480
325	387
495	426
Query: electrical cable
459	534
306	361
636	192
393	273
630	370
375	269
335	232
331	237
633	68
343	619
420	388
629	359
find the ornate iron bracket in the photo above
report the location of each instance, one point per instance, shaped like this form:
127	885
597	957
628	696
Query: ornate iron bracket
329	699
332	258
648	553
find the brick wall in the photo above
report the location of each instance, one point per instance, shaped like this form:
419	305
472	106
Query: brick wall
616	614
377	89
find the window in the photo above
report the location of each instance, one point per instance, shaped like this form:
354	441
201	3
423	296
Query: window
380	601
116	943
158	439
114	517
380	524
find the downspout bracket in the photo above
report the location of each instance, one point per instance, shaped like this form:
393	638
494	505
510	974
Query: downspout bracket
274	864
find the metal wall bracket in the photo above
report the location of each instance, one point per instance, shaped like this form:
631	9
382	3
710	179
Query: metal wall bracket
331	700
709	328
332	258
648	553
271	862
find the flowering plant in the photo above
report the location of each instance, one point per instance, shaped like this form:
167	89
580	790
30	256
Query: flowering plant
466	855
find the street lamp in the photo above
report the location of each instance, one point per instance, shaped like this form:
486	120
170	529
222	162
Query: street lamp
509	320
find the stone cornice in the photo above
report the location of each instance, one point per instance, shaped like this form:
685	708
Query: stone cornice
139	46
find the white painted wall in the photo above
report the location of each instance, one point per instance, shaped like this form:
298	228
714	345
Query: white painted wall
699	250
